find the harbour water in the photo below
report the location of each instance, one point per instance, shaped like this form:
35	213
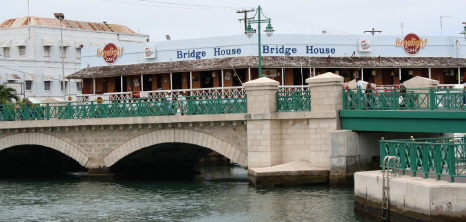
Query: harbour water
218	194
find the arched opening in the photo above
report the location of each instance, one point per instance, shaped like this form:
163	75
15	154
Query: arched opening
166	160
36	161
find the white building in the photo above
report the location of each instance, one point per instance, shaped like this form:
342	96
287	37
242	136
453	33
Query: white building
30	52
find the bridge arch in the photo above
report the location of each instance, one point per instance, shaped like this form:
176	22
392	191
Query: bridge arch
45	140
214	143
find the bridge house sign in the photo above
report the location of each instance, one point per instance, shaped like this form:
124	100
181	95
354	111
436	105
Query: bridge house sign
110	53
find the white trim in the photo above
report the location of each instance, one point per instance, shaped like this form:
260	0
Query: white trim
20	42
47	42
5	43
29	77
13	76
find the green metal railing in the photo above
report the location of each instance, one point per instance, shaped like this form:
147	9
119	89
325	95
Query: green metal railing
438	156
193	105
396	99
294	101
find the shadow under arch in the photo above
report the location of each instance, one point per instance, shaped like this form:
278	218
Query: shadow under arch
197	138
45	140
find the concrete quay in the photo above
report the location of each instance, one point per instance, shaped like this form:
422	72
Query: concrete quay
411	198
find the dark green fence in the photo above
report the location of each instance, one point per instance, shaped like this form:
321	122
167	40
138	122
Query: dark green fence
412	99
191	105
293	101
438	156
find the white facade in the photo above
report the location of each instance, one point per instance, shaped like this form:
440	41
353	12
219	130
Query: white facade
31	56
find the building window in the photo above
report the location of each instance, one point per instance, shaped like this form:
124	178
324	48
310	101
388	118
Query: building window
47	85
78	86
64	52
46	51
6	52
28	85
78	52
61	85
22	50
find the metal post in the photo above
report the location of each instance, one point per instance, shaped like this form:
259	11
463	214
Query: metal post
93	83
249	73
121	84
259	36
63	59
142	84
191	80
362	74
171	82
283	76
222	77
459	76
430	73
399	74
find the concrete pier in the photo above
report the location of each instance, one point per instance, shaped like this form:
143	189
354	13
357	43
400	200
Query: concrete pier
411	198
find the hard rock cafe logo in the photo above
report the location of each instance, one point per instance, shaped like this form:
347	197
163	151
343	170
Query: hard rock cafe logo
412	44
110	53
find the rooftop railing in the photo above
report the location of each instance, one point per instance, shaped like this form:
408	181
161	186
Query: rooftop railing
404	99
434	156
189	105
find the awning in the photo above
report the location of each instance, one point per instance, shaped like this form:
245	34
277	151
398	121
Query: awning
20	42
66	43
47	42
4	43
79	44
48	77
30	77
34	100
13	76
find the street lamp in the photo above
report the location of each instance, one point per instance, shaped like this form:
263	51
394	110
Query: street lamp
250	31
61	16
464	31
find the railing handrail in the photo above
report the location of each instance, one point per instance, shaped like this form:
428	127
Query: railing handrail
446	158
188	105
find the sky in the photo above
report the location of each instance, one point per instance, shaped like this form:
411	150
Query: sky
187	19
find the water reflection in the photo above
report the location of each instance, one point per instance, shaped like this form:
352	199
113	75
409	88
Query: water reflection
219	194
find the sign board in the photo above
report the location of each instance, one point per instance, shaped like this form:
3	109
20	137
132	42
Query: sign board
269	73
149	52
365	45
110	53
412	44
18	87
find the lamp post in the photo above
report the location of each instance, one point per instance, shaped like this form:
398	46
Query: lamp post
464	31
61	16
250	31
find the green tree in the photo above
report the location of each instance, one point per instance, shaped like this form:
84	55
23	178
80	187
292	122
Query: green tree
7	94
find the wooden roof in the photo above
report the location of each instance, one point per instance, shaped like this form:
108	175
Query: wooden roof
267	62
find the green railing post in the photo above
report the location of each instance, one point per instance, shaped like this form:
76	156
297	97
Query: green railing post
47	111
451	160
115	108
438	160
219	107
425	160
394	103
295	101
92	110
190	106
139	111
382	151
413	158
432	99
403	159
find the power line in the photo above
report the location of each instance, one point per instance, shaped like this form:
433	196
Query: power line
161	4
303	24
245	11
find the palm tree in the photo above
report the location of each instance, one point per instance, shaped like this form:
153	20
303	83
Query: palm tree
6	94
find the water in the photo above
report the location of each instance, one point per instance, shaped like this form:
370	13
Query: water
220	194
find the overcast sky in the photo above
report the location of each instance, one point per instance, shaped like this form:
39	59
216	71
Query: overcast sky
185	19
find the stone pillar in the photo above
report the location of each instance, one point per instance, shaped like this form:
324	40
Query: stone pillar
344	156
326	102
264	132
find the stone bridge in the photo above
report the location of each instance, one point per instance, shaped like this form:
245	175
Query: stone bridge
276	147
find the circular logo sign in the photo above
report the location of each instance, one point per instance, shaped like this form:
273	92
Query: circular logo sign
110	53
412	44
110	57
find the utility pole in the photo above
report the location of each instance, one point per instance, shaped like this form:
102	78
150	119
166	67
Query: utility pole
245	11
373	31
